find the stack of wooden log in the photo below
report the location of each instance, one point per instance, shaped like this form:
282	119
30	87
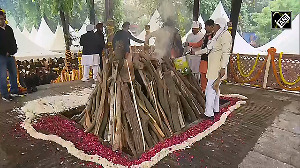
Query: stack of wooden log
139	102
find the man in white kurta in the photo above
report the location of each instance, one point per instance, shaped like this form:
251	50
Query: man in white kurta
194	40
218	50
90	58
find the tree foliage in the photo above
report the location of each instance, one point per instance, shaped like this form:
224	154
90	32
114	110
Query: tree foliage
262	20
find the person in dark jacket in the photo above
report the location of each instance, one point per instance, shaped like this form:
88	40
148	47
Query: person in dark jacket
90	56
8	47
101	42
125	36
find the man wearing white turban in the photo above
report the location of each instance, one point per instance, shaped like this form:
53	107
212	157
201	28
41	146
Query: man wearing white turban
194	40
218	50
89	53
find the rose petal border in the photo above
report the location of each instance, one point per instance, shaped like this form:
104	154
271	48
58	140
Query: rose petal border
31	114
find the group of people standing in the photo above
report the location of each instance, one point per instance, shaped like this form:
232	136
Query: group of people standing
210	56
93	45
210	53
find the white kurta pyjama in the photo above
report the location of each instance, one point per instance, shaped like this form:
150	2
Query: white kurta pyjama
88	61
218	58
194	62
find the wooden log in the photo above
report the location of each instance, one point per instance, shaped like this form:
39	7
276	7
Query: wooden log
197	109
98	97
105	119
112	102
180	113
145	123
128	135
155	101
153	135
195	83
160	100
156	132
117	139
171	67
111	123
173	101
187	109
154	122
146	102
100	112
129	109
93	106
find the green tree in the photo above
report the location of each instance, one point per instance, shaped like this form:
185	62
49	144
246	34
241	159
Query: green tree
65	11
262	20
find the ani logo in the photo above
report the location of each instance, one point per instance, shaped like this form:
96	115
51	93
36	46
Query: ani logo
281	20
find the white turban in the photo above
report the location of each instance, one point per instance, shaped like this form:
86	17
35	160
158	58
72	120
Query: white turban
90	27
221	22
195	25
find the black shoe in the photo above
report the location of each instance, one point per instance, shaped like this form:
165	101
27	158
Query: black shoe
18	94
208	118
29	90
8	98
34	89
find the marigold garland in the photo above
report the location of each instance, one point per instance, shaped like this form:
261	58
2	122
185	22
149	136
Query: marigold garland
277	78
281	74
240	69
250	80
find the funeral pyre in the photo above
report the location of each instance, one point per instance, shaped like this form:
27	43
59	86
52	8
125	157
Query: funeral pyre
139	101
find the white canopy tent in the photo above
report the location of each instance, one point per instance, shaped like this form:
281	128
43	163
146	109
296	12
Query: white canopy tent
59	40
79	33
219	12
33	34
286	42
82	30
29	50
44	37
58	44
155	23
242	47
25	32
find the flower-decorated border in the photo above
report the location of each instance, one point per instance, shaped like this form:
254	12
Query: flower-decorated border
57	104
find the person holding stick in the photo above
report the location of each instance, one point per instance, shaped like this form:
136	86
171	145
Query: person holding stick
218	50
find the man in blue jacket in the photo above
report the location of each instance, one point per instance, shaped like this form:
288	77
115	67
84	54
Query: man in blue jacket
8	47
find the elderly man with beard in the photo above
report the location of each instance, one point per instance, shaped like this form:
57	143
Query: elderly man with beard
218	50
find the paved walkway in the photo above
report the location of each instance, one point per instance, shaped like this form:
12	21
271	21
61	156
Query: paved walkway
279	145
263	133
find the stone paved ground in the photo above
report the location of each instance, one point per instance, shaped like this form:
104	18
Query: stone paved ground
263	133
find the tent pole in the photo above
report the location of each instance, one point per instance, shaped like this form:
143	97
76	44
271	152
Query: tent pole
196	10
234	17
